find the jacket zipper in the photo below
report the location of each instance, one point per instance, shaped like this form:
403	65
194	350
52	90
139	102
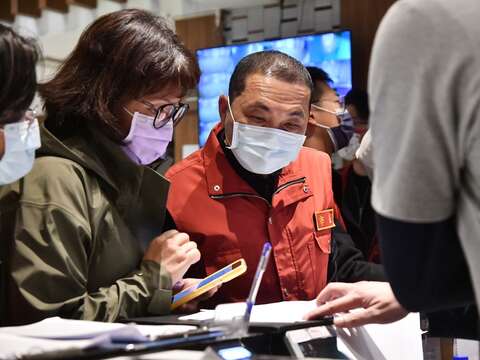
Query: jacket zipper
240	195
284	186
287	184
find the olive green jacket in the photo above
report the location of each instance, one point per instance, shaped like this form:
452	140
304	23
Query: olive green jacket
74	231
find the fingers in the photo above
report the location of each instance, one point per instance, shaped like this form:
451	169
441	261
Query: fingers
192	256
167	234
209	293
337	305
177	239
188	246
354	319
333	291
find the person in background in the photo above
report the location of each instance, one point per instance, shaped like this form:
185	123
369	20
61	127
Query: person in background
356	103
85	227
426	147
329	127
254	182
325	129
356	184
19	130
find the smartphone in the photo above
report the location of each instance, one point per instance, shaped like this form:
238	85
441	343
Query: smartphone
223	275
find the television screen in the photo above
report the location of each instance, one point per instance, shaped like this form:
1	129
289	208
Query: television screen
329	51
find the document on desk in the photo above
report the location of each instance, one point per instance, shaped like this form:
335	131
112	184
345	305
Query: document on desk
66	329
279	312
60	334
399	340
15	347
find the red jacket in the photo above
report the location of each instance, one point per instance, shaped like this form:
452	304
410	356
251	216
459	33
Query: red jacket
229	220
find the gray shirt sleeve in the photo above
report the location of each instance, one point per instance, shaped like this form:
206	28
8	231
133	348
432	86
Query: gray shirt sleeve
420	78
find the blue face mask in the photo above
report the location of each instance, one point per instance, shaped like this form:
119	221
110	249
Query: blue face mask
21	141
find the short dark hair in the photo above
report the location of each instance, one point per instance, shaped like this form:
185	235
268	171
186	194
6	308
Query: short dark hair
272	63
18	79
318	75
126	54
358	98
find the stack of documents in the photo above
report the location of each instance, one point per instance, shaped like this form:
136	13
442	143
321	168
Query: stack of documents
60	334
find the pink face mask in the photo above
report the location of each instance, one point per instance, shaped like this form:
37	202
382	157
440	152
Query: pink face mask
144	144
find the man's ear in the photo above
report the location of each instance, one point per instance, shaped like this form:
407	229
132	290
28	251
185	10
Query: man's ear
223	108
311	120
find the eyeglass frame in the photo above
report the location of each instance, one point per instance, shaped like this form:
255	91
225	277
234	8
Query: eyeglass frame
176	108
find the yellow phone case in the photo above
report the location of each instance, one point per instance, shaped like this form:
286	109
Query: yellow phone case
238	268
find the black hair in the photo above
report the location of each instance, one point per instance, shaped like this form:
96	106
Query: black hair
272	63
18	79
318	75
358	98
125	54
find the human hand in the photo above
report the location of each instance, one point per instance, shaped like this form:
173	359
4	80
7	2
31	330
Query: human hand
174	251
376	300
193	305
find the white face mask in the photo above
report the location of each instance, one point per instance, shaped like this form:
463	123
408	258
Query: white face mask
21	141
263	150
348	152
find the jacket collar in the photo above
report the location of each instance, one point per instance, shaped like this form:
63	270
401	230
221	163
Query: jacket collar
138	191
222	180
96	152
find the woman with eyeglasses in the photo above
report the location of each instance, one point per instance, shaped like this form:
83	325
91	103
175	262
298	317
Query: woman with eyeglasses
88	238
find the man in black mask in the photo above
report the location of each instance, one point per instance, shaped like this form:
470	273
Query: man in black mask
330	126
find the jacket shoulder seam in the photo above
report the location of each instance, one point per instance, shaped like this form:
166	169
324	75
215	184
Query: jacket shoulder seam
183	166
56	205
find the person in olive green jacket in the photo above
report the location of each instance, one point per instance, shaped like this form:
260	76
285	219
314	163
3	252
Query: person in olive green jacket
83	229
19	131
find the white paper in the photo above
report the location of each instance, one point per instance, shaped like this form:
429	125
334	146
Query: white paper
63	329
167	355
280	312
13	347
199	316
153	331
396	341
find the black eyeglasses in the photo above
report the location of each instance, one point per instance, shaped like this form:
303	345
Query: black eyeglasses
167	112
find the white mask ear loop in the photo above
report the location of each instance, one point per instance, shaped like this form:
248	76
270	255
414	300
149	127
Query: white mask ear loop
323	109
233	143
319	125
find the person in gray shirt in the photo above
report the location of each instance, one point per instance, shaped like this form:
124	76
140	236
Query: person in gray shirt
425	100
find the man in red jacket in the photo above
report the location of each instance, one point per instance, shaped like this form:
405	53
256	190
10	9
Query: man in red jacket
254	182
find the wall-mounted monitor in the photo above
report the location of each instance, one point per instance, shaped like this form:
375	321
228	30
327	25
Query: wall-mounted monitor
330	51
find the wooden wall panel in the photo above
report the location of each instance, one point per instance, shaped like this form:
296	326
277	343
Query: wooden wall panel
196	33
57	5
30	7
87	3
8	9
363	18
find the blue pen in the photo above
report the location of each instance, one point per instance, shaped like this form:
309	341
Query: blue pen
262	265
